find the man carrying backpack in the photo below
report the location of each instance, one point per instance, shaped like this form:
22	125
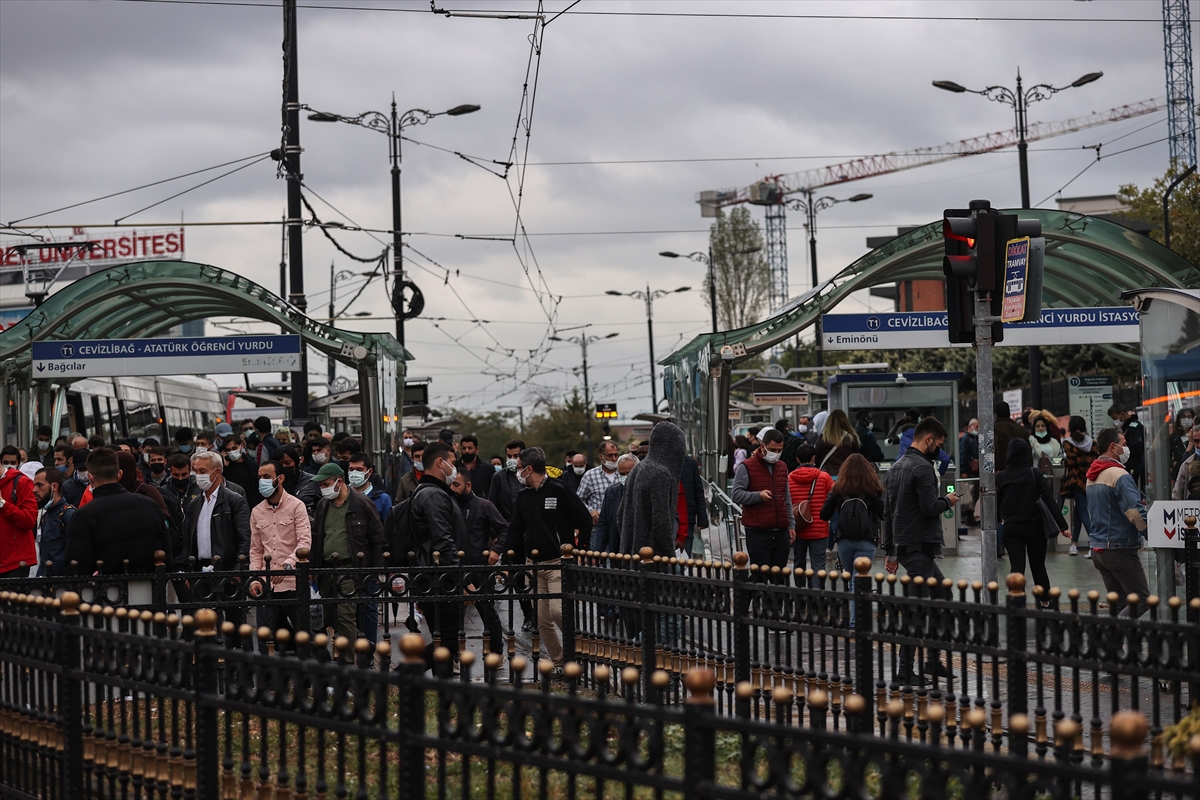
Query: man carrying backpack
426	523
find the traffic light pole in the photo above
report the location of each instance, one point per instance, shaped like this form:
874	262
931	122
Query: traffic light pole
987	430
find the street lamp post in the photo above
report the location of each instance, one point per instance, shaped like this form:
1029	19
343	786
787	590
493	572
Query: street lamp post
707	260
334	277
810	206
648	297
392	125
1020	101
583	340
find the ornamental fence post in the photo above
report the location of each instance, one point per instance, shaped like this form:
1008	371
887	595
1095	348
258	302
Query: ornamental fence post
70	695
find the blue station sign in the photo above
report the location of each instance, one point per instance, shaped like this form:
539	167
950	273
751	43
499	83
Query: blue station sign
103	358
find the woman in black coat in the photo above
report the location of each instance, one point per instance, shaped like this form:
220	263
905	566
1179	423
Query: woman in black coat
1018	488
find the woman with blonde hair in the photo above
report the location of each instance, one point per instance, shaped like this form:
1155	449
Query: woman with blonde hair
838	441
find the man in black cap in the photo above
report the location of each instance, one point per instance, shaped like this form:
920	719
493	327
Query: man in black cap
74	486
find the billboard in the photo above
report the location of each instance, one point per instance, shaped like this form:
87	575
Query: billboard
112	247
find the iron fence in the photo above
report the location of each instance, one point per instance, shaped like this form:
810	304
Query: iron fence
103	702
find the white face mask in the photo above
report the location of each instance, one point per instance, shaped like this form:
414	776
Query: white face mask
611	466
329	492
203	482
82	475
43	445
320	458
771	457
621	479
357	478
235	455
521	479
579	470
1185	423
511	465
1124	457
453	474
802	428
408	442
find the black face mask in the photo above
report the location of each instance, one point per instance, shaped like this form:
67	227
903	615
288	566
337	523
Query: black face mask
289	472
158	468
468	458
345	465
178	484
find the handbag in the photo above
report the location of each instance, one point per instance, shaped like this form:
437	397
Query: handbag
803	512
1049	523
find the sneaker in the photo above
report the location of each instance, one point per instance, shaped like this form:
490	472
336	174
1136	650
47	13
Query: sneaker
915	680
935	668
1088	554
1074	550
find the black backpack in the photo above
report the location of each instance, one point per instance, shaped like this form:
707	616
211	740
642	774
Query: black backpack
855	521
399	535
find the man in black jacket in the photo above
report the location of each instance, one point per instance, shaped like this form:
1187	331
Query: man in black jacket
548	515
117	526
74	486
345	525
217	527
479	471
912	527
484	525
503	495
438	527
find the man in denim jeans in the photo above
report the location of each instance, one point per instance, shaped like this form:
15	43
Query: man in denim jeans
1118	519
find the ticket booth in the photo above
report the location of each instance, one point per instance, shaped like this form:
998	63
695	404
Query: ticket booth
1170	337
887	397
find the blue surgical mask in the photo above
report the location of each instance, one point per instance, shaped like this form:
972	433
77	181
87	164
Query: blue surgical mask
62	468
185	448
266	487
498	467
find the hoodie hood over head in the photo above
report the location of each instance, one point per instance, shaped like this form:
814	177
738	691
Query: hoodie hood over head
1019	453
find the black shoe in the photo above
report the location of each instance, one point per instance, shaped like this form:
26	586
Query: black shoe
527	625
935	668
908	679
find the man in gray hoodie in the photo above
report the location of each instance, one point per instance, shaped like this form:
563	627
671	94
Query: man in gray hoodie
649	509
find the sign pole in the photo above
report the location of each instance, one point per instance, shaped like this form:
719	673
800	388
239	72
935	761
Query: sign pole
987	431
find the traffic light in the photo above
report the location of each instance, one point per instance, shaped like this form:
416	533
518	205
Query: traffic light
971	265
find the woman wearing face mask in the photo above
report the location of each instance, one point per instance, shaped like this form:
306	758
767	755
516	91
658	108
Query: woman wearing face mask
296	482
1043	443
1185	420
1079	451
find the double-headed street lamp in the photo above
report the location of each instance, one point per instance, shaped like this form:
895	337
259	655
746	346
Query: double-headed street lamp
810	206
392	125
707	260
648	297
1020	100
583	340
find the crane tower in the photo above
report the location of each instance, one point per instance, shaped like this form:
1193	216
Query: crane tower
1181	103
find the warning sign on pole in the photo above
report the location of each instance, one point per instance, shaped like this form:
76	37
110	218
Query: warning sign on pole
1016	269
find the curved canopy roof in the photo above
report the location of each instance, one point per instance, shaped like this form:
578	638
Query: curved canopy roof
145	299
1089	262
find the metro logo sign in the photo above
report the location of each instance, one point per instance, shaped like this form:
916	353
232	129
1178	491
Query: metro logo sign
1165	521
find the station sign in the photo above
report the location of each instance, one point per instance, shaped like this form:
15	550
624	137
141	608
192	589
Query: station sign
606	410
1016	269
781	399
105	358
1164	521
1090	397
928	329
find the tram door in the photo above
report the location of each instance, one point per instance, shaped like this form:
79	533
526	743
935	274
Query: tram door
77	416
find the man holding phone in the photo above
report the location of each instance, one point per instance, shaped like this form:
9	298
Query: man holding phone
912	527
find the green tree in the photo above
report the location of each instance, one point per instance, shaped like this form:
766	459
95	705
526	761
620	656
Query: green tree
493	430
561	426
1146	204
743	279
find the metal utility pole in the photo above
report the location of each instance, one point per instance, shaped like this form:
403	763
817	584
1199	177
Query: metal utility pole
583	340
283	238
987	428
707	260
291	158
1166	204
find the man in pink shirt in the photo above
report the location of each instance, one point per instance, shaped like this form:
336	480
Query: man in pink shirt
279	526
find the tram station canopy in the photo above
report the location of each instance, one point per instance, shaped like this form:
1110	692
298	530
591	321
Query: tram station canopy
146	299
1089	263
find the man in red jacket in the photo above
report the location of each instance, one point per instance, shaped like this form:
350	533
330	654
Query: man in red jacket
18	517
760	487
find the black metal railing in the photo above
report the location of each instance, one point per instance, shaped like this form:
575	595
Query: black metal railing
97	702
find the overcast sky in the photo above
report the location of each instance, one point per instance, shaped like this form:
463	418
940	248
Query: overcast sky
97	97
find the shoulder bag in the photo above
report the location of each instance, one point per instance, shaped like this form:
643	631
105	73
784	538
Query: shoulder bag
1049	523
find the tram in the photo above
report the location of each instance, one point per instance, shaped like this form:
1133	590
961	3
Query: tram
118	408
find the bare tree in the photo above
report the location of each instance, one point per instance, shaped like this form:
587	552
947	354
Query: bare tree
743	278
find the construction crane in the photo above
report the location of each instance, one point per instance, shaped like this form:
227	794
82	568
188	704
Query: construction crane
772	192
1181	104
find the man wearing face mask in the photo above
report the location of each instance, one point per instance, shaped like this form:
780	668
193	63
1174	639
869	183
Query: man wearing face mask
279	527
240	470
1118	519
598	480
484	525
548	514
217	530
56	518
178	492
77	484
407	440
362	470
438	526
18	517
606	536
346	531
1135	440
183	441
155	472
575	471
912	526
43	443
480	471
760	487
1179	490
410	479
503	496
316	455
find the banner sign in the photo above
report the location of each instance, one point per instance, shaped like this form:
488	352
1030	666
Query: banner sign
928	329
1016	268
98	358
781	399
1090	397
113	247
1165	518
